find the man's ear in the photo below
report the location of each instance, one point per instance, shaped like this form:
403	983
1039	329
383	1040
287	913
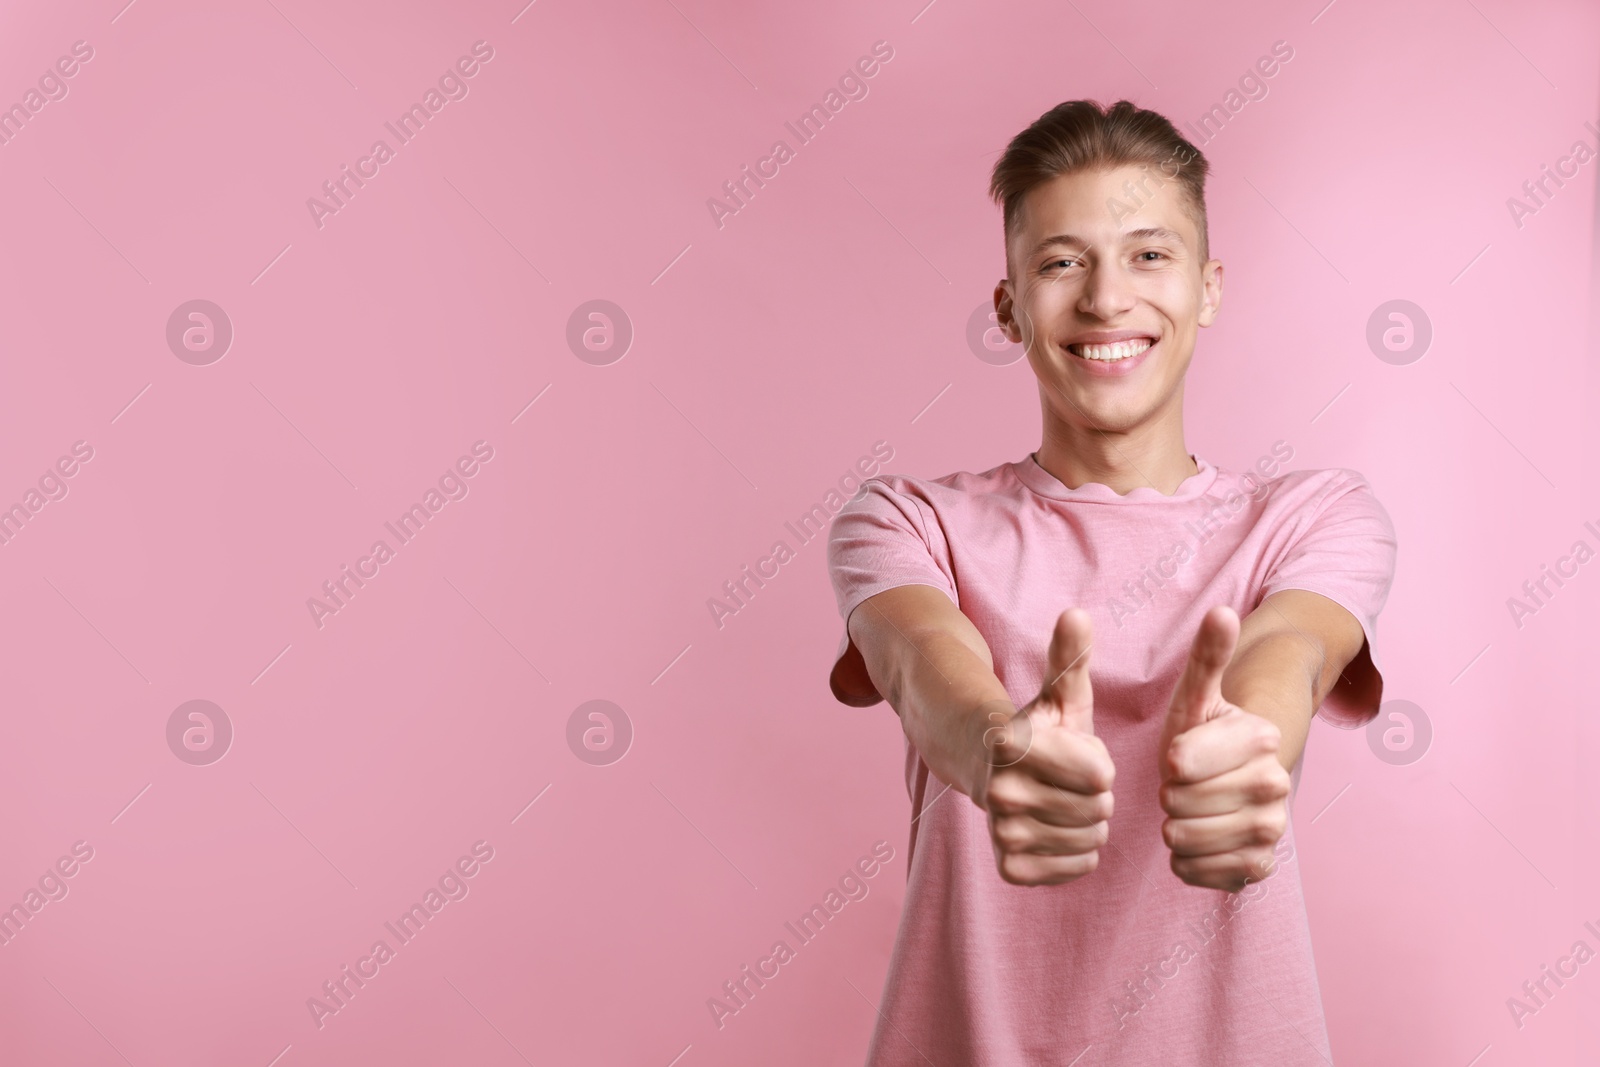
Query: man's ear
1211	291
1005	311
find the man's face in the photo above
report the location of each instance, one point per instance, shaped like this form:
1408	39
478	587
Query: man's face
1107	300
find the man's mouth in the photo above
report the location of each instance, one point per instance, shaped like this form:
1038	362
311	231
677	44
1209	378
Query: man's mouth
1113	353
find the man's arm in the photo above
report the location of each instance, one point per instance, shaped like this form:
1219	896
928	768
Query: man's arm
914	648
1040	773
1237	724
1292	649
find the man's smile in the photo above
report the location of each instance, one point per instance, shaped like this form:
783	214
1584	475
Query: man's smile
1107	349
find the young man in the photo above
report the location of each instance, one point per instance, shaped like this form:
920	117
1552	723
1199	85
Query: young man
1166	627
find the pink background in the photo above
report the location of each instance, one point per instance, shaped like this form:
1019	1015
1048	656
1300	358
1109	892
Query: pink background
768	354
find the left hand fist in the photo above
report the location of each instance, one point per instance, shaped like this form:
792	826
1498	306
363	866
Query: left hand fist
1222	786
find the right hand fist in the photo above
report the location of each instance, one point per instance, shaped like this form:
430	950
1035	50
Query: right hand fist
1048	784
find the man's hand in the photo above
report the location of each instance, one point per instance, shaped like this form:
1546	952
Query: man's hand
1048	784
1221	781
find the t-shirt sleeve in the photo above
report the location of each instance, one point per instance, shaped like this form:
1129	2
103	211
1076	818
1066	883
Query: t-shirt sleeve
882	538
1347	554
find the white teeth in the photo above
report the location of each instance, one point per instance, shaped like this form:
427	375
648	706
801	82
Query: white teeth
1112	353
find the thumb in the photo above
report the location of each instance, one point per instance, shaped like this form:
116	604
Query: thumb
1066	690
1199	689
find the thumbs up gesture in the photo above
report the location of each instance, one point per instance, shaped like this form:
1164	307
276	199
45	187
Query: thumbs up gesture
1047	787
1222	785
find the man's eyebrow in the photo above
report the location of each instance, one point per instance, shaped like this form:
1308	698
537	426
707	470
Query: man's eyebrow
1157	233
1056	239
1146	233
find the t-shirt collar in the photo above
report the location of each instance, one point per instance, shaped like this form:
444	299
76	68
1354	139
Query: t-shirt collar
1046	484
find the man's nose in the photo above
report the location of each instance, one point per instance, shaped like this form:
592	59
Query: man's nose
1107	291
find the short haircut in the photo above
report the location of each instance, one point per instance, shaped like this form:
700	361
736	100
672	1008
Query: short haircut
1085	135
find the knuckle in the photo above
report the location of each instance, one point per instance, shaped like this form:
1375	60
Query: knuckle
1264	788
1009	834
1005	794
1091	809
1255	864
1177	757
1011	870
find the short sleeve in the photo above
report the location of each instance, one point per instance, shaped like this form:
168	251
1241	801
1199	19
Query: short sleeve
882	538
1346	553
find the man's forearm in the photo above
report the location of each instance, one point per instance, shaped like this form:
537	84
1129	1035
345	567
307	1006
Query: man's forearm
943	692
1276	678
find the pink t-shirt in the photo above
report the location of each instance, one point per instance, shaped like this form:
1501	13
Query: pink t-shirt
1128	965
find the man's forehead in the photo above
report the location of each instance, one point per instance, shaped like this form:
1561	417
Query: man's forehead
1095	208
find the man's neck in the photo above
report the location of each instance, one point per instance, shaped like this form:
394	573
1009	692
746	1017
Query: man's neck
1122	462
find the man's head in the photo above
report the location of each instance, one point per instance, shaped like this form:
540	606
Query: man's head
1106	244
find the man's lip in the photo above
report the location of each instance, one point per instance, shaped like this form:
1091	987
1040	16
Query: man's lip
1111	337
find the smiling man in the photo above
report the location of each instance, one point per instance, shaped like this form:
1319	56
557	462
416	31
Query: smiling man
1106	657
